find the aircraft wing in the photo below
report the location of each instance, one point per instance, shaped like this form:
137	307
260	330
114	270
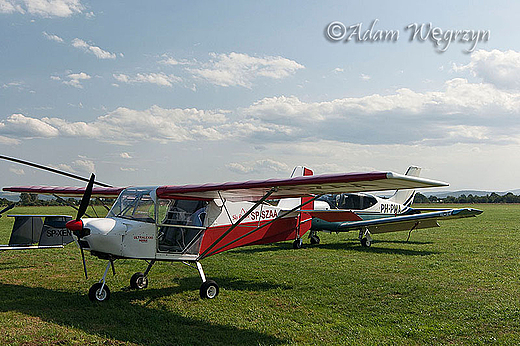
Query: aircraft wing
256	189
66	191
407	222
298	186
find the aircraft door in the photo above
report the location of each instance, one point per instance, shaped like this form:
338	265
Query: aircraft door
181	226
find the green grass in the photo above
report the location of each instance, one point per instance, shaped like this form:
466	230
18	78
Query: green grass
458	284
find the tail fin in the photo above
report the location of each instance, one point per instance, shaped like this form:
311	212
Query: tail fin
290	203
405	197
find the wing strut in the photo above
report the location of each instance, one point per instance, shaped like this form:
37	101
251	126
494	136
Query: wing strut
206	254
233	226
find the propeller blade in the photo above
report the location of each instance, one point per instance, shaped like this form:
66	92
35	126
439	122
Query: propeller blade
86	198
84	263
50	169
7	208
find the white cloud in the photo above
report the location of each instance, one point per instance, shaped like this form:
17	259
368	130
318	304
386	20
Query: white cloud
365	77
75	79
168	60
43	8
499	68
236	69
19	125
259	166
98	52
17	171
461	112
125	155
338	70
152	78
52	37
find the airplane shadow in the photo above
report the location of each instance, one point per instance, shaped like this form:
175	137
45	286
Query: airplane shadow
355	246
120	319
405	242
349	245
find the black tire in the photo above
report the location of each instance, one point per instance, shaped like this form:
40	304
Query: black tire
365	242
95	293
297	244
315	240
209	289
138	281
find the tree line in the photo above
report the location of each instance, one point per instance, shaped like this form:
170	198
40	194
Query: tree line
489	198
31	199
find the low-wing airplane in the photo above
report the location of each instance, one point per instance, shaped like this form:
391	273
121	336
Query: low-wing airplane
188	223
370	214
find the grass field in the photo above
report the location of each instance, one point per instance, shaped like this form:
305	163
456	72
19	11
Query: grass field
458	284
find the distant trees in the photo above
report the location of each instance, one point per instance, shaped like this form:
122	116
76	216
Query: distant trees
489	198
32	199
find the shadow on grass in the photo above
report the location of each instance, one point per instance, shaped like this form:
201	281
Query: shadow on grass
355	246
122	320
349	245
412	242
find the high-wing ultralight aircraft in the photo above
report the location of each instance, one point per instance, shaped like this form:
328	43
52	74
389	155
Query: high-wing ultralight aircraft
370	214
187	223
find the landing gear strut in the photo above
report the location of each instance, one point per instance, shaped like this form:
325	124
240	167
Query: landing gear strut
297	244
314	239
99	292
209	288
139	280
365	238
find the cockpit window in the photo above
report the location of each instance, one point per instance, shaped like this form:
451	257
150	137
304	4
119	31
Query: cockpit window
350	201
135	204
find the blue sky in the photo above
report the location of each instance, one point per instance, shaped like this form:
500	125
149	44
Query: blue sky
172	92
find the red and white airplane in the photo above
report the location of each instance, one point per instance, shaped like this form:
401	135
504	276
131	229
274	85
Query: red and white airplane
188	223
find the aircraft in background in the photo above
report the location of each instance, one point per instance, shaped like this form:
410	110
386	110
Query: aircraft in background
38	232
370	214
188	223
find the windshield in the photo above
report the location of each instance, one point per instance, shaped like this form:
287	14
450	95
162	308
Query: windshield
136	204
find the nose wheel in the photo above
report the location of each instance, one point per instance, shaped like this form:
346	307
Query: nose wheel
99	292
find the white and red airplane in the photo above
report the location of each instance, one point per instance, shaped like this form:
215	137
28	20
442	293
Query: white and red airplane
371	214
188	223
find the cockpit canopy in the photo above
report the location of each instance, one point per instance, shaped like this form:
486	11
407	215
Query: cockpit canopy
135	203
351	201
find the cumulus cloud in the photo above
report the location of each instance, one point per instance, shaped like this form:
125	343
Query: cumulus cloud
462	112
496	67
258	166
151	78
19	125
168	60
43	8
52	37
98	52
17	171
74	79
236	69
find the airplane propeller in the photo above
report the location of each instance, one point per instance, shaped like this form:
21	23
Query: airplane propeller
7	208
76	226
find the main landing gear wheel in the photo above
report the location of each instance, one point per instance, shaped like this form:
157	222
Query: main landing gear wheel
208	289
96	294
297	244
315	240
138	281
365	242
